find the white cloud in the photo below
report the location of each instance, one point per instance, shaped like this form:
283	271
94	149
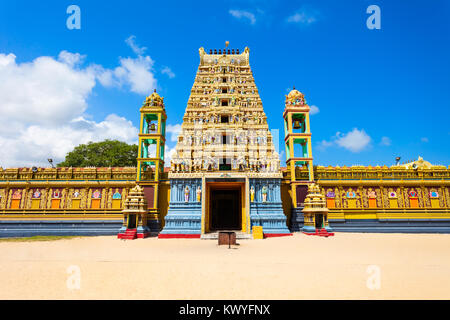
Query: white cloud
169	72
44	91
71	59
322	145
424	139
135	73
304	16
385	141
239	14
354	141
35	144
44	102
174	131
314	110
131	42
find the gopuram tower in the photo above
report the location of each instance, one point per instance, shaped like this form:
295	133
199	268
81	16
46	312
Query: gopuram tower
225	174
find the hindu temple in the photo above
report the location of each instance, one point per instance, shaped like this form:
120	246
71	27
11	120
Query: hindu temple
225	175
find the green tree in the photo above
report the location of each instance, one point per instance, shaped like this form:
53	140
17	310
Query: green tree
108	153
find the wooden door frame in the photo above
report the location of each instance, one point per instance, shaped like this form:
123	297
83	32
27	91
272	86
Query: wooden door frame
224	186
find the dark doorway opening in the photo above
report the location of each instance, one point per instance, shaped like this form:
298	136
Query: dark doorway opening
319	221
131	221
225	209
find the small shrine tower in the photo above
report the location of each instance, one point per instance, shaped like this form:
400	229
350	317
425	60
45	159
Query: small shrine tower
150	160
299	159
316	213
134	215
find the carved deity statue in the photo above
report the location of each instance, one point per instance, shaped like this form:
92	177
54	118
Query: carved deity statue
186	194
351	194
37	194
252	193
117	194
199	194
264	194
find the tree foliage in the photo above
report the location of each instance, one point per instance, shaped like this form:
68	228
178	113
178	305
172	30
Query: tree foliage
108	153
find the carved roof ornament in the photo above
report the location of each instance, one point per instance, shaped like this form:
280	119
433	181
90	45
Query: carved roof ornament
417	164
154	100
295	97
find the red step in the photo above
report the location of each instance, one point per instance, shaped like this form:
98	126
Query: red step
320	233
129	234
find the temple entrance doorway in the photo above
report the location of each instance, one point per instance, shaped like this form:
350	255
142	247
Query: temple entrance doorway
225	211
131	221
319	221
225	206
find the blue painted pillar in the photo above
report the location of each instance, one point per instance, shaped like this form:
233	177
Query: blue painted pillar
183	218
268	214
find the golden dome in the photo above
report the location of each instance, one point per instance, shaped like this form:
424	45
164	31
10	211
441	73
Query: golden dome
295	97
154	100
294	93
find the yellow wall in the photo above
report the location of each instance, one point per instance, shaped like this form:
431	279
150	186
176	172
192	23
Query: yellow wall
163	201
287	201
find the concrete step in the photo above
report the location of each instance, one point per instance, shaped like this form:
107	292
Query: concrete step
215	235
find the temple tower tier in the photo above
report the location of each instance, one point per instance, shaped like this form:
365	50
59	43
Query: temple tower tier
225	155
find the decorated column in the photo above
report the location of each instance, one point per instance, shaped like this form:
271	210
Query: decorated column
150	161
299	159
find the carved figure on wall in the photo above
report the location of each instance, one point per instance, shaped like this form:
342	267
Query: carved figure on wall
186	194
413	194
56	194
252	193
36	194
17	195
76	194
117	194
351	194
434	194
371	194
392	194
96	194
199	194
331	194
264	194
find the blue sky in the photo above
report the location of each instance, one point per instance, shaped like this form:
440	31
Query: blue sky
380	93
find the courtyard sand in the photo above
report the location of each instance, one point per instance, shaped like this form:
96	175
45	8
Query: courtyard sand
297	267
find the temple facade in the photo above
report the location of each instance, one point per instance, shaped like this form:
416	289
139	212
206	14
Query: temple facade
224	175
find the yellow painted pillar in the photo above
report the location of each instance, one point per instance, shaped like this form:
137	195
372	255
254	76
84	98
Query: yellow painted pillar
308	128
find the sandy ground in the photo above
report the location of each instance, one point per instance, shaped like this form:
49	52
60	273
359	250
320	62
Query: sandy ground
347	266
